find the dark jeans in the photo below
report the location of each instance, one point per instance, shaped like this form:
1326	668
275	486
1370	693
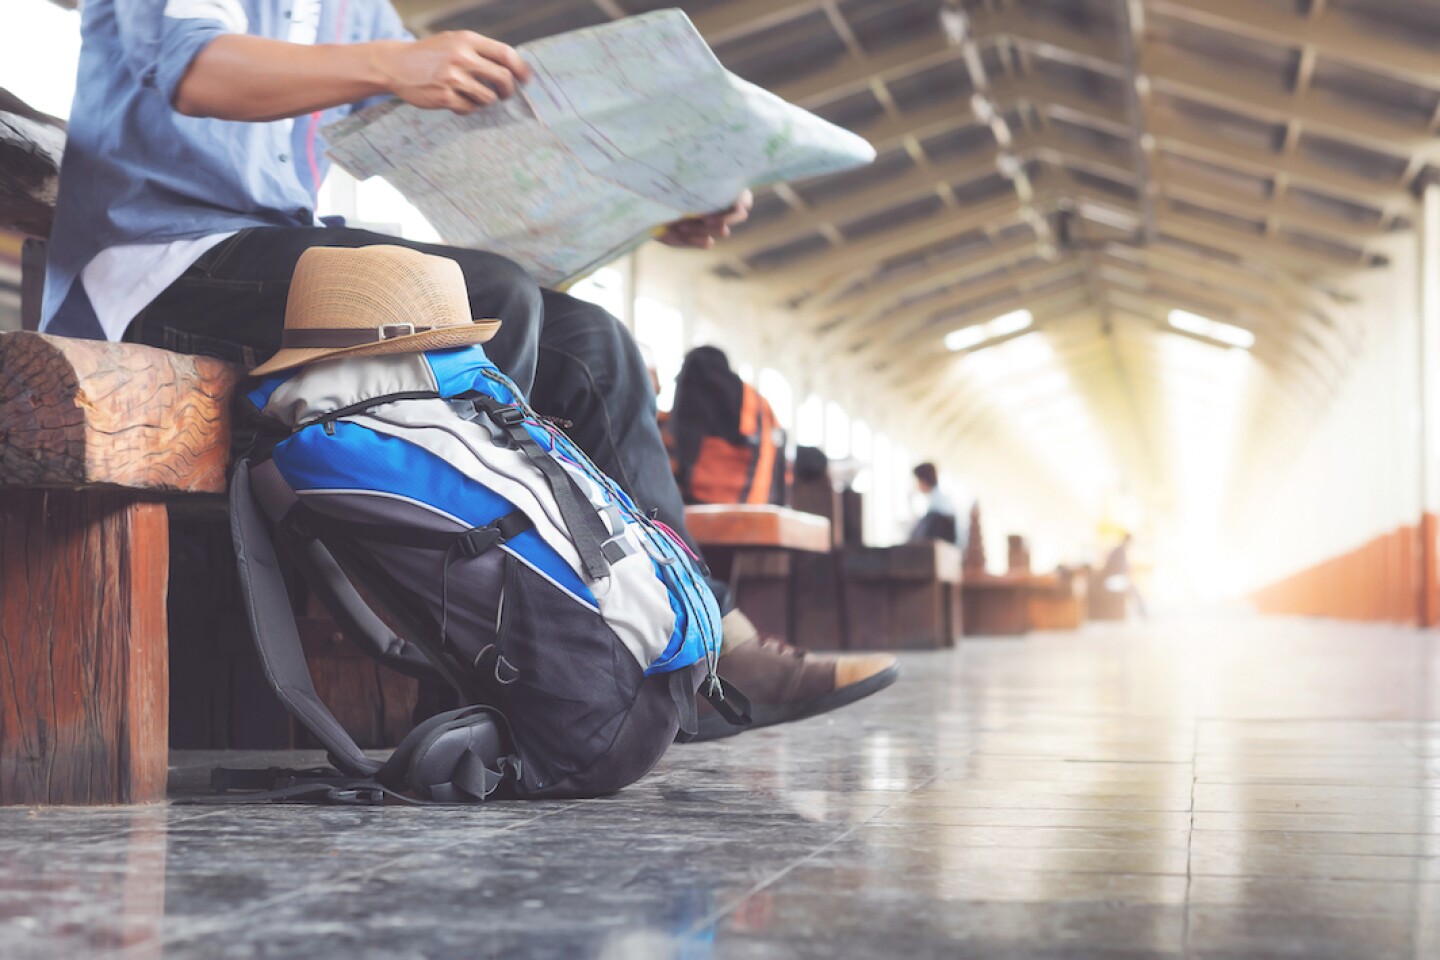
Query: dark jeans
574	360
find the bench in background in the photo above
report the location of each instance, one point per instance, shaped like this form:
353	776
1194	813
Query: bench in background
906	597
750	547
1057	600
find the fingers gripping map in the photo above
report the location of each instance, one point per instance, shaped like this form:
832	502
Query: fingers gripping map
623	127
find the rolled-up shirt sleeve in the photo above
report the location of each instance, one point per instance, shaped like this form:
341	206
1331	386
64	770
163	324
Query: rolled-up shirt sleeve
161	38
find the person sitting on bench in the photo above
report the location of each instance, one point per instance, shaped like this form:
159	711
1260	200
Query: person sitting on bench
729	448
938	521
188	193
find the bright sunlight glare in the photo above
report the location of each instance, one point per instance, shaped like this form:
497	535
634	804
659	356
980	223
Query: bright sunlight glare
39	52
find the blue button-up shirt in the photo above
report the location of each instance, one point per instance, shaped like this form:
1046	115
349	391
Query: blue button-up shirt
136	171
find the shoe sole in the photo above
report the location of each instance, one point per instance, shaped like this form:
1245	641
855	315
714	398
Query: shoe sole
715	727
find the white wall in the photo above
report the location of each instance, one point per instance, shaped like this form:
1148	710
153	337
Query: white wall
1355	475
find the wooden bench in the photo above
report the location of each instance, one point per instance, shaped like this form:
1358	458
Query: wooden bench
750	547
1057	600
818	584
1104	604
906	597
94	437
996	606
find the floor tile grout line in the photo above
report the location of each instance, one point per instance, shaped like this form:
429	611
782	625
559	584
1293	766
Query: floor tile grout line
1190	839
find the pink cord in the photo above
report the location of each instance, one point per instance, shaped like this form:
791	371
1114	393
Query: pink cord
315	117
676	537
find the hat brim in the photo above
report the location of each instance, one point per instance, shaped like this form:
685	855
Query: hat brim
446	338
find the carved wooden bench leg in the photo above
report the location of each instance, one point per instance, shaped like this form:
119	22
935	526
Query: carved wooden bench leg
83	660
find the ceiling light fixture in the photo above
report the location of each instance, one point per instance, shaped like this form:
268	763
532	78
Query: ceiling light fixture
975	334
1226	333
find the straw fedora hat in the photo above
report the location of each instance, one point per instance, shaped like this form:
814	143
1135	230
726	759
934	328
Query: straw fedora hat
364	301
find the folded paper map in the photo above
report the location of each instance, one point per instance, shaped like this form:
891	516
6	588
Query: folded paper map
624	127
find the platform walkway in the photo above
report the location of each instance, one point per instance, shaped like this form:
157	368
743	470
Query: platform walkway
1234	788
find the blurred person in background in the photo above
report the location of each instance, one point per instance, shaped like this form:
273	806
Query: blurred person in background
938	521
728	445
1117	578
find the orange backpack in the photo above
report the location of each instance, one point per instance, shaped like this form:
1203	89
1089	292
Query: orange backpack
752	472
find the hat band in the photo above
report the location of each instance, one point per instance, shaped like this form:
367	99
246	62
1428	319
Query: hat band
312	338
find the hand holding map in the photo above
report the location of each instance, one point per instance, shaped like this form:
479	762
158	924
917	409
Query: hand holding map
623	128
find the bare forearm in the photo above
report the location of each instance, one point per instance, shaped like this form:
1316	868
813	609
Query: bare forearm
239	77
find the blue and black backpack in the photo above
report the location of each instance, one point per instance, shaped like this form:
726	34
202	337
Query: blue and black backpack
575	628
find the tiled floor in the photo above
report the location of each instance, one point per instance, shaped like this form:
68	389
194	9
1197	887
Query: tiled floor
1228	789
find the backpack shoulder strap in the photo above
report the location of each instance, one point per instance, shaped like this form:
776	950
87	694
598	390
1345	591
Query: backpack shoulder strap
463	756
272	624
587	530
357	620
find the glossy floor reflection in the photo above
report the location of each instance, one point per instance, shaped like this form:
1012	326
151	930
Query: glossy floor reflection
1233	789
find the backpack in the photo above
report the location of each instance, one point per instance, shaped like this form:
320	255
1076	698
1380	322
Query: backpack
575	628
752	471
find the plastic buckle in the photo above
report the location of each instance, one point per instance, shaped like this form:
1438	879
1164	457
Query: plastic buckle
390	331
478	540
508	416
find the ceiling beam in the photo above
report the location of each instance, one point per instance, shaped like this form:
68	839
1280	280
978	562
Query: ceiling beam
1193	78
799	276
419	14
1202	191
1186	141
1252	246
950	309
1240	242
1101	52
1194	276
888	132
796	225
1283	288
1131	19
741	17
1329	35
922	354
1164	301
850	75
912	185
1185	138
840	313
949	271
1266	163
1157	283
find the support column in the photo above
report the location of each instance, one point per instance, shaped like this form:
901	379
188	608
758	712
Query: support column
1427	349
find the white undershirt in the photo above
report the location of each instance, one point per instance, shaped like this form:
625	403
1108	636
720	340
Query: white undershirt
123	280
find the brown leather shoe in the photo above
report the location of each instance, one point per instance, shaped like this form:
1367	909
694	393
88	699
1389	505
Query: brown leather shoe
785	683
